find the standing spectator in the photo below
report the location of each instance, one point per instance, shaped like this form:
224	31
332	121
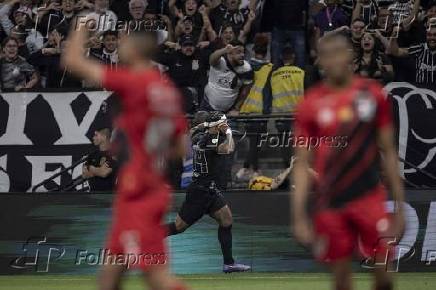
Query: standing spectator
136	13
67	13
187	67
424	55
108	53
258	101
289	30
365	10
101	19
401	9
287	86
229	72
16	73
229	12
371	62
330	18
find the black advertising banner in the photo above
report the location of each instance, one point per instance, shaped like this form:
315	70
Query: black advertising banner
65	233
42	132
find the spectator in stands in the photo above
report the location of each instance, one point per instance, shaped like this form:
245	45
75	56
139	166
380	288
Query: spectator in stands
228	12
229	72
100	166
30	40
101	18
258	102
289	31
187	67
371	62
67	16
401	9
108	53
287	87
366	10
424	55
330	18
16	73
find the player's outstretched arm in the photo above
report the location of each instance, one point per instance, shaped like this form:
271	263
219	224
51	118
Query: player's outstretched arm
299	197
228	146
390	167
74	60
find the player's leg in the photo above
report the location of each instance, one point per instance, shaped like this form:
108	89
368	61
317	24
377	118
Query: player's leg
383	279
159	277
342	274
110	276
177	227
193	209
223	216
221	212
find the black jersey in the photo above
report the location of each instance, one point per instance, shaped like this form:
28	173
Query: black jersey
207	162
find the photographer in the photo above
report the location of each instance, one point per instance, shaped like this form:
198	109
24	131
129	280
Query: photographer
100	167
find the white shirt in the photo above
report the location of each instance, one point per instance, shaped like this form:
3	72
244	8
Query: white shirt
223	86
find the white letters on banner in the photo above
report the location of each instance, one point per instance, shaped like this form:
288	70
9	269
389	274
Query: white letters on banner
39	168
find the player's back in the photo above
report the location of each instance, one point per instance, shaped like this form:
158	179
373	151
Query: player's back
151	118
343	125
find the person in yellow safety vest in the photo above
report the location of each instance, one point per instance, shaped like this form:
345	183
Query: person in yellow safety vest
287	84
258	101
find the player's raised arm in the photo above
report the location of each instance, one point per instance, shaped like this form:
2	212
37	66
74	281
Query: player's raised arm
299	197
74	60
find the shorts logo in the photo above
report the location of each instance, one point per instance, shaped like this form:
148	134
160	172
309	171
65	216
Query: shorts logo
130	242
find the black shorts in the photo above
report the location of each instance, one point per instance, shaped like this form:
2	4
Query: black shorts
201	200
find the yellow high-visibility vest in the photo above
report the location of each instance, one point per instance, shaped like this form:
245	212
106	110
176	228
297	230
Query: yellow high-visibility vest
254	101
287	85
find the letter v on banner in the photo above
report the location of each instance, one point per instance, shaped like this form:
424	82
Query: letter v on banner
14	134
72	132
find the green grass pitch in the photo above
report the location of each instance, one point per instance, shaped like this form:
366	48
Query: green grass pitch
248	281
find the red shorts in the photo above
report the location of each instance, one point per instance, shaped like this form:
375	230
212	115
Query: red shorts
137	236
361	223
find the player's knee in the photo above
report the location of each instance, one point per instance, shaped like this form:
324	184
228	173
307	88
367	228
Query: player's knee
180	226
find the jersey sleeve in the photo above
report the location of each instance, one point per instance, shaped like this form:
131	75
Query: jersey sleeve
116	80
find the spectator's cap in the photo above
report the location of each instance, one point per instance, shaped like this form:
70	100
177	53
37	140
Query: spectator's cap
216	118
24	10
186	40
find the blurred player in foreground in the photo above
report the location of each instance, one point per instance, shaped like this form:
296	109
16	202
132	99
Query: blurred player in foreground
154	124
349	205
211	140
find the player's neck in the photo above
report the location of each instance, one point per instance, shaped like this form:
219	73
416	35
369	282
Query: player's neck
141	65
338	84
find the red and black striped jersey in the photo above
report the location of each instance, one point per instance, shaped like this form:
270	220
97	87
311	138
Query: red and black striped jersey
350	169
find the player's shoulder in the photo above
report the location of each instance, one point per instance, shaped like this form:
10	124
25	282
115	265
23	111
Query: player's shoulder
374	87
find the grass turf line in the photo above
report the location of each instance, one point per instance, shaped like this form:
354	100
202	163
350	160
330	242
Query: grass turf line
246	281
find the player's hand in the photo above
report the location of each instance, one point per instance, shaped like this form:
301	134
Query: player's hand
303	231
223	127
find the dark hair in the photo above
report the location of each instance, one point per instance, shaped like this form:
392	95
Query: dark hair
357	20
7	39
260	44
377	53
199	118
110	33
105	131
236	43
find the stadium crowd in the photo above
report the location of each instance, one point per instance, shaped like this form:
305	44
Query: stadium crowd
235	56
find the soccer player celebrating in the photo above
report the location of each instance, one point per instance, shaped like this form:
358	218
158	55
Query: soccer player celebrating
348	208
211	140
153	122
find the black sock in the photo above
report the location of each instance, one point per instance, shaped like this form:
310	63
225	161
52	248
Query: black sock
225	238
171	229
